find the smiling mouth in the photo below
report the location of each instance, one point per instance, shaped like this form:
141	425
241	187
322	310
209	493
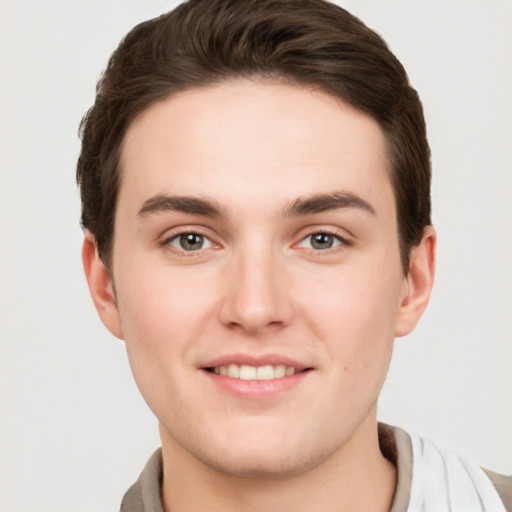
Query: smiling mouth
247	372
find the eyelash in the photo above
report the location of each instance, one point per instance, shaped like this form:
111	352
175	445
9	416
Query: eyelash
343	242
167	243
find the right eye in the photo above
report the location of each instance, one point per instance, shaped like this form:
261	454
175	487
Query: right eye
190	242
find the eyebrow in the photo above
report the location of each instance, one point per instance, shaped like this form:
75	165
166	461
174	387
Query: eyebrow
319	203
183	204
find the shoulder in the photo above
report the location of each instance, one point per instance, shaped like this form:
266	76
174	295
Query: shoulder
132	500
144	494
503	485
429	477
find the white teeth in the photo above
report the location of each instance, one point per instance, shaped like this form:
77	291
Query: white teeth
246	372
265	372
280	371
233	371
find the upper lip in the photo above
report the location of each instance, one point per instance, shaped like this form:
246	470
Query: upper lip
255	360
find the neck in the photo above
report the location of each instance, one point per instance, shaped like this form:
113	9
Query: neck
355	478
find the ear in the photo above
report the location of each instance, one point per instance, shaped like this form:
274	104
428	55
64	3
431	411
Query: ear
100	286
417	284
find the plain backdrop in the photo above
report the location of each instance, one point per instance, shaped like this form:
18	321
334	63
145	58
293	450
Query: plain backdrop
74	431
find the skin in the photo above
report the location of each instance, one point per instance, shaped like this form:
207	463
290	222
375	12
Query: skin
257	287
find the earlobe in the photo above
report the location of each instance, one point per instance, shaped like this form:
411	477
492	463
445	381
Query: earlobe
101	286
417	284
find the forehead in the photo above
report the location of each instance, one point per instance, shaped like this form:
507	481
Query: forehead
244	138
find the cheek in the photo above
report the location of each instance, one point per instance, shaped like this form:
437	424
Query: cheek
356	312
365	299
155	325
158	329
158	305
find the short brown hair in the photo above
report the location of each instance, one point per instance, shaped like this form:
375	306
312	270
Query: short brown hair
305	42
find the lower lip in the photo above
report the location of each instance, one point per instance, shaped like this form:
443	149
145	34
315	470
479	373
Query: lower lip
257	389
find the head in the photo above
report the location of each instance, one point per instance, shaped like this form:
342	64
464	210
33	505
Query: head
311	43
255	187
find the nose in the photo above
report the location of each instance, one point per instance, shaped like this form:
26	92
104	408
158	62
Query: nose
256	298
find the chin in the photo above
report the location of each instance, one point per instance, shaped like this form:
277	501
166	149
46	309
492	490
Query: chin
263	455
253	465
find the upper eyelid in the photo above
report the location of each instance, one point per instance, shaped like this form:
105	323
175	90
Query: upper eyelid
325	232
329	233
344	242
170	241
171	238
172	233
341	233
165	244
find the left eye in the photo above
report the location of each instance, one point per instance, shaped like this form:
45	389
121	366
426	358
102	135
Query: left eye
190	242
321	241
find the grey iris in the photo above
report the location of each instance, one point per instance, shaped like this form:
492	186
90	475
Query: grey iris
191	241
322	241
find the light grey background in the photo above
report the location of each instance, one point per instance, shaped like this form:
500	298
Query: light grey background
74	431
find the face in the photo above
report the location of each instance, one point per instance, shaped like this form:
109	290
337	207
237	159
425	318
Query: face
257	273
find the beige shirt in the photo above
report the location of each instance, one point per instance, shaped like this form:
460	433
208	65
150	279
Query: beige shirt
395	444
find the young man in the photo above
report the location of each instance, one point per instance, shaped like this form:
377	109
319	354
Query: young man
255	183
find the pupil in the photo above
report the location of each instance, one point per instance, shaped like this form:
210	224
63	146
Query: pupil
322	241
191	241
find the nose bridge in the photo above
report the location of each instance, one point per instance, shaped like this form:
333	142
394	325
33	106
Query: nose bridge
256	298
